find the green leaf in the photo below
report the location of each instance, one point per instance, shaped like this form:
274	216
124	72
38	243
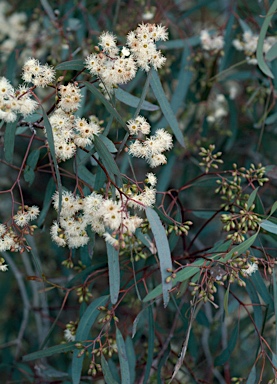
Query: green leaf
50	140
107	372
109	144
271	54
226	300
85	324
107	159
262	289
252	197
123	358
252	376
151	340
84	174
259	53
273	208
163	250
29	174
9	138
239	249
50	351
73	65
257	309
269	226
133	101
50	189
106	103
131	358
165	107
183	275
114	272
225	355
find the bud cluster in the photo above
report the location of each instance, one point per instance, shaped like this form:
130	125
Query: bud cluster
210	159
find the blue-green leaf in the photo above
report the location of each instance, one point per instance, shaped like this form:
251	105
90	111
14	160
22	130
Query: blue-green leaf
9	138
107	159
269	226
225	355
252	197
107	372
123	358
163	250
165	107
260	55
151	339
271	54
106	103
50	140
73	65
133	101
50	189
114	272
252	376
85	324
131	358
31	163
50	351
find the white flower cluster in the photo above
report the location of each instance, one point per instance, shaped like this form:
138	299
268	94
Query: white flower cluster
114	66
252	268
142	45
9	241
218	109
38	74
14	101
211	43
70	132
153	147
249	43
23	217
104	216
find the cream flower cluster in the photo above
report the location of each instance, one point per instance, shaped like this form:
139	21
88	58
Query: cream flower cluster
70	132
249	43
106	217
118	66
13	101
142	45
211	43
38	74
153	147
9	238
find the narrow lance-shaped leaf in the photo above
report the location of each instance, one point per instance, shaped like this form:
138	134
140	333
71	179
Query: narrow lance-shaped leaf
133	101
269	226
107	159
108	376
151	340
50	140
225	355
114	272
9	138
106	103
85	324
252	197
50	351
165	107
260	54
163	251
76	65
123	358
